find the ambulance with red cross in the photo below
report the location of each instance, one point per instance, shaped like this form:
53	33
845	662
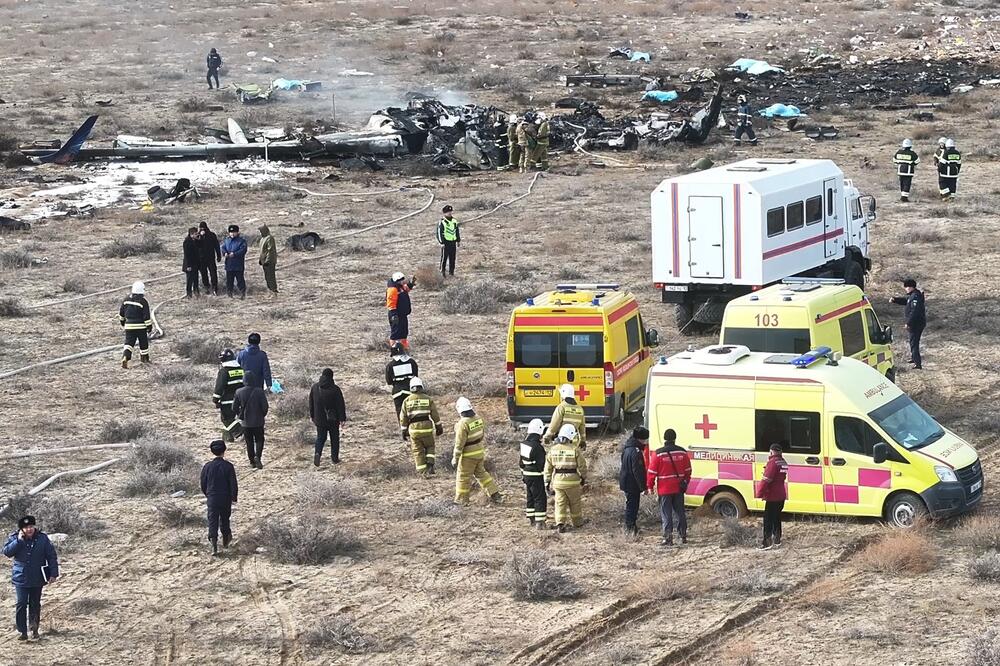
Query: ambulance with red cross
855	444
590	336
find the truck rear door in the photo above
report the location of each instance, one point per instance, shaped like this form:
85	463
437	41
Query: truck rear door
705	237
831	219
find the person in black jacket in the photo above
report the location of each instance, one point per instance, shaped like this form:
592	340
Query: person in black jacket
137	321
632	476
214	62
916	317
228	381
192	261
532	473
218	484
400	369
250	405
328	412
210	256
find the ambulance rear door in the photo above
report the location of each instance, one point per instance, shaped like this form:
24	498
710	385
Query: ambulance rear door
536	368
581	361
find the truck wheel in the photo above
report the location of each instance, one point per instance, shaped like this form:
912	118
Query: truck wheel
682	316
890	374
617	424
728	504
710	313
905	510
855	275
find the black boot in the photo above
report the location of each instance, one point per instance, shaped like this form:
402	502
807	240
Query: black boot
257	463
316	459
215	547
430	469
226	540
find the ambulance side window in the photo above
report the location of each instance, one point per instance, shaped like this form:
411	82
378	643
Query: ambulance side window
852	332
853	435
874	328
633	335
799	429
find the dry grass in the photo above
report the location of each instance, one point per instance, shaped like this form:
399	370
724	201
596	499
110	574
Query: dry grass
302	540
157	467
201	347
389	468
293	405
339	632
176	374
432	508
741	653
899	554
17	257
174	514
483	296
757	581
123	247
669	585
61	514
980	533
429	277
984	649
986	567
74	284
827	595
12	307
737	534
531	576
319	492
926	233
89	605
123	430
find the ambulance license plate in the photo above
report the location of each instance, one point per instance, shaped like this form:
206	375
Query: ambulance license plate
537	393
675	287
976	486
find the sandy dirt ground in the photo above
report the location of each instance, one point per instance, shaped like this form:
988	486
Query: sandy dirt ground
427	590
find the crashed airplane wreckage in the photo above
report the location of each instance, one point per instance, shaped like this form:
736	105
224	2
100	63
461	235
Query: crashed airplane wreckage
465	137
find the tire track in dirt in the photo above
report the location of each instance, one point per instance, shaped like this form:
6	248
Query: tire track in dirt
289	651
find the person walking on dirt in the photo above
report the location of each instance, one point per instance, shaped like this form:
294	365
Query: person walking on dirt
771	489
669	474
449	236
137	322
327	412
568	411
915	314
469	456
565	474
35	566
192	262
234	250
632	476
250	405
949	166
254	359
906	161
400	369
227	382
532	471
209	257
269	259
744	122
214	62
219	486
397	303
419	423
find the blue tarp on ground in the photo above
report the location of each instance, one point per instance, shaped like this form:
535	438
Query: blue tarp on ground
639	55
755	67
661	96
780	111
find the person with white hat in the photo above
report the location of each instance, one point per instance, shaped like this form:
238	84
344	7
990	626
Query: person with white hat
565	474
949	165
906	161
532	468
397	302
568	411
541	156
137	322
419	423
469	458
513	147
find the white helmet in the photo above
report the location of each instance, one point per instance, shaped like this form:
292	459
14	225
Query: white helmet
942	141
566	391
907	143
567	432
463	405
397	276
513	118
416	383
542	116
950	143
138	288
536	427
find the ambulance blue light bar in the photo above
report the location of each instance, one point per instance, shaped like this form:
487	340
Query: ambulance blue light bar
810	357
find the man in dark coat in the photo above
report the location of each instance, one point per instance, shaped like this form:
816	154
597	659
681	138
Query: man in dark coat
915	313
234	250
328	412
35	565
632	476
254	359
218	484
250	405
214	63
211	254
532	466
192	261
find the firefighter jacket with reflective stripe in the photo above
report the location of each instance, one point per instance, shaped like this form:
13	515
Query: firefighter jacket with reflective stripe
397	298
398	373
227	383
744	116
512	134
568	412
470	431
565	466
543	133
418	413
667	468
906	162
532	457
448	231
950	163
134	314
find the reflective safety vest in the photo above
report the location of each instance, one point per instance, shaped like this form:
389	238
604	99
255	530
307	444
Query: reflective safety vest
532	457
227	382
567	413
565	466
447	230
470	431
419	414
906	162
950	163
398	373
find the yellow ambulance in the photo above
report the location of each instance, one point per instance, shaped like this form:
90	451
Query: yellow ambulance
855	444
588	335
805	313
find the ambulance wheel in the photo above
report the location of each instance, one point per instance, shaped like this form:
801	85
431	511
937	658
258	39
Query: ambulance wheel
855	275
683	313
905	510
727	504
617	424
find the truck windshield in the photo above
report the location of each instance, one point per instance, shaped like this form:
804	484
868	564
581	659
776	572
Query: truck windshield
907	423
774	340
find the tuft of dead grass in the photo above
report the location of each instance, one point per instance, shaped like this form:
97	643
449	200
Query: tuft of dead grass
201	347
123	430
986	567
531	576
17	257
174	514
899	554
827	595
434	507
157	466
756	581
737	534
429	277
980	533
61	514
318	492
12	307
339	632
669	585
483	296
983	649
302	540
123	247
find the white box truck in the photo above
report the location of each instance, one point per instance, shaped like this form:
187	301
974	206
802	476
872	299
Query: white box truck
726	231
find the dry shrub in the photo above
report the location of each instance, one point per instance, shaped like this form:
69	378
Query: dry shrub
123	247
737	534
159	467
123	430
757	581
924	234
980	533
388	469
201	348
376	339
339	632
483	296
17	257
89	605
531	576
61	514
293	405
986	567
742	653
174	514
984	649
302	540
899	553
19	505
432	508
827	595
12	307
74	285
669	585
192	105
467	557
606	466
319	492
175	374
429	277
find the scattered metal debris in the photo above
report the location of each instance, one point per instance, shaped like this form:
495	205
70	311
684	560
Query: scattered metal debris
305	242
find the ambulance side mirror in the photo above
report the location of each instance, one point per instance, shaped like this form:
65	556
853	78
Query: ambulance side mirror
887	335
652	337
880	453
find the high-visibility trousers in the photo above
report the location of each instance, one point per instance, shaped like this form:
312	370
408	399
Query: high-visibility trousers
535	498
422	447
569	505
231	428
465	471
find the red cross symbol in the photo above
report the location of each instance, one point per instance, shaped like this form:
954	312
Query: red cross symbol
705	426
582	393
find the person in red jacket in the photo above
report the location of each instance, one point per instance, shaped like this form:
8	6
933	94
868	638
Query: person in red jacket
772	491
669	472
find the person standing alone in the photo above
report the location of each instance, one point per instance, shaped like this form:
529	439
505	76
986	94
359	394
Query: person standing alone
35	565
906	161
219	486
327	412
234	249
744	122
214	62
137	320
210	256
771	489
192	262
449	237
915	313
269	259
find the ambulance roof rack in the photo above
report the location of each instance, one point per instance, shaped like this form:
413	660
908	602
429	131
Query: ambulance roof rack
810	357
599	286
721	354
